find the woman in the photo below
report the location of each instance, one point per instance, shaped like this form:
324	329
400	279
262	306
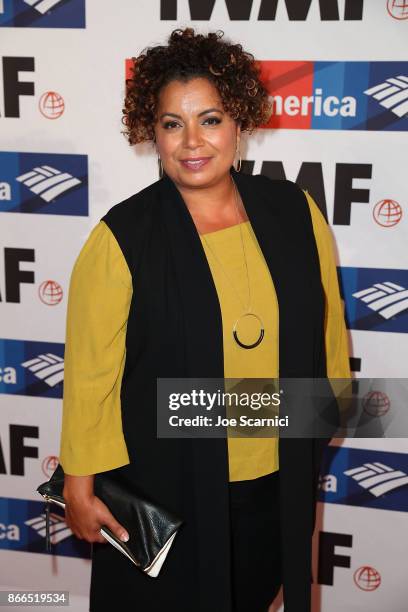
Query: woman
163	288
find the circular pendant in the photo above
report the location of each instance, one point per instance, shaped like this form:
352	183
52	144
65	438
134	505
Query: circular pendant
261	334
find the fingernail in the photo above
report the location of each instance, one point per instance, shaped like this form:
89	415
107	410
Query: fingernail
124	537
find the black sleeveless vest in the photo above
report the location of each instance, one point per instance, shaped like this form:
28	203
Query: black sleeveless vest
175	330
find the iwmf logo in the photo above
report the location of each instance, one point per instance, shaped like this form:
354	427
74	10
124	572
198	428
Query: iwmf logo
51	104
297	10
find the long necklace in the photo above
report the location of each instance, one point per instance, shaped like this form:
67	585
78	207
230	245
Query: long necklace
247	309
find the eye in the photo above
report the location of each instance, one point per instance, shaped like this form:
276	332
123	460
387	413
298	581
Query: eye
169	123
214	119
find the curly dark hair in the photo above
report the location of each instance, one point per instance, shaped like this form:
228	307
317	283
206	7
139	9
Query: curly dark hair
233	71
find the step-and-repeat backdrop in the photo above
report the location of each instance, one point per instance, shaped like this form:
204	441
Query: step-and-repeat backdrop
337	71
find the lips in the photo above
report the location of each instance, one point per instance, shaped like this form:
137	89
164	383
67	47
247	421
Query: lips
195	163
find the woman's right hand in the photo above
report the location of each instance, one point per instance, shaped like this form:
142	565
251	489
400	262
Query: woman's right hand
85	513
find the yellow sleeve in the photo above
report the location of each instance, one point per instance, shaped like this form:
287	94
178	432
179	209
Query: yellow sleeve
99	297
336	340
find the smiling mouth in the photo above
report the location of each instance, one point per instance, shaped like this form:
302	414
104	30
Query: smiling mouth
195	163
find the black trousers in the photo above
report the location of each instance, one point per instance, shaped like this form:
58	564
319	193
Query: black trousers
255	530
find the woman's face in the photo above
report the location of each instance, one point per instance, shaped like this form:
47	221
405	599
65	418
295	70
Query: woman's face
192	124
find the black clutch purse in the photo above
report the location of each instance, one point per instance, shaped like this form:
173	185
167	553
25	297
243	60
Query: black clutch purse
151	528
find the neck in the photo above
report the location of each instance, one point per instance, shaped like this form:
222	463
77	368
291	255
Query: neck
213	202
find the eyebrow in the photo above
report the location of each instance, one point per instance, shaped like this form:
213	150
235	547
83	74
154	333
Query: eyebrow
208	110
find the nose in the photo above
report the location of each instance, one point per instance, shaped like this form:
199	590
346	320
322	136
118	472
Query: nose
192	137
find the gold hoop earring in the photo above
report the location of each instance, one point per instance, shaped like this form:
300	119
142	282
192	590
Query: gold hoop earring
239	162
160	167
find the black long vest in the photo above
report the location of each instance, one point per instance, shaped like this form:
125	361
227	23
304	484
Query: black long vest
174	329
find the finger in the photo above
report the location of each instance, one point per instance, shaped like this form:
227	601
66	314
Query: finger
96	536
101	540
119	531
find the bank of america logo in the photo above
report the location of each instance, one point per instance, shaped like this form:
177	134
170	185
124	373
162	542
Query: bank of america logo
378	478
48	182
392	94
42	6
387	299
58	527
47	367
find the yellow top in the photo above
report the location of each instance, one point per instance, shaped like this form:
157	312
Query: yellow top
248	457
91	437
